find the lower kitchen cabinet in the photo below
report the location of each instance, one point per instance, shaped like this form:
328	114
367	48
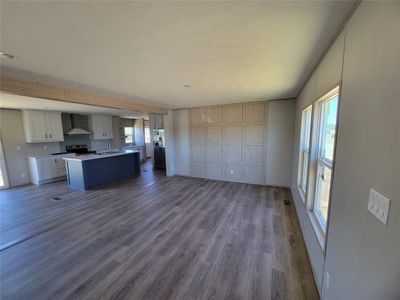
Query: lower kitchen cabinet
140	148
45	169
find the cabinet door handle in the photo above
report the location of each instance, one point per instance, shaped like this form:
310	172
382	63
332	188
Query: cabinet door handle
45	135
50	135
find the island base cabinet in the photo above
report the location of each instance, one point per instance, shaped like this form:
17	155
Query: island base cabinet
87	174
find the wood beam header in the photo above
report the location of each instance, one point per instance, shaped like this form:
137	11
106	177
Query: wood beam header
36	89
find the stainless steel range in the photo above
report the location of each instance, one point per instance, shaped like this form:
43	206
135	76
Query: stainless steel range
79	149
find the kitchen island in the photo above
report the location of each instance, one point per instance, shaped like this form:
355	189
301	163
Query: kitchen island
87	171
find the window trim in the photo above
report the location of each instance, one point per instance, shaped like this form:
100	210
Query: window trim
149	134
303	151
126	135
320	231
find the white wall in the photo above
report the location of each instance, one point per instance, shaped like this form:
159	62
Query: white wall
367	156
139	132
362	256
181	138
280	129
169	143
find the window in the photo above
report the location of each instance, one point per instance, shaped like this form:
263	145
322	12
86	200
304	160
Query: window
128	133
304	150
326	123
147	138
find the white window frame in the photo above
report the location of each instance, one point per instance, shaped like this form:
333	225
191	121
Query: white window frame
316	159
304	150
147	134
131	135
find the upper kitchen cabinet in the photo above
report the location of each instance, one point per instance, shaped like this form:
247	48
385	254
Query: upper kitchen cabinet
101	126
42	126
157	121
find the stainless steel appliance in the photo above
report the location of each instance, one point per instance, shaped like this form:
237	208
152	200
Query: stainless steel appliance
79	149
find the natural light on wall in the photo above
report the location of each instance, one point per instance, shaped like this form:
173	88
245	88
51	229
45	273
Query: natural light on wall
128	132
304	150
316	158
322	160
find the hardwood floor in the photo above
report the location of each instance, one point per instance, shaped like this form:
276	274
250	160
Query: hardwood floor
153	237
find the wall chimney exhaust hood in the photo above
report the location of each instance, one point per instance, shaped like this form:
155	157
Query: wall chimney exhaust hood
76	130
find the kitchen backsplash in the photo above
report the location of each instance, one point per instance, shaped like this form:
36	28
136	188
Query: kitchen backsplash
85	140
97	145
74	140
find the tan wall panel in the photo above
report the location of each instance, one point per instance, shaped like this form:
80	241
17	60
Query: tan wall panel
214	135
233	154
198	169
198	116
214	114
253	155
233	135
198	135
254	134
233	172
254	174
198	153
233	113
214	153
230	139
254	112
214	171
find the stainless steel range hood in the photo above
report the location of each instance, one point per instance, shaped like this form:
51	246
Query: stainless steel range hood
76	130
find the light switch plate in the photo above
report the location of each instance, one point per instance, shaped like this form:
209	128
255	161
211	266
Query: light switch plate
378	205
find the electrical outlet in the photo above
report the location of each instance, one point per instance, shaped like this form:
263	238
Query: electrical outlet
23	175
378	205
18	148
231	171
45	147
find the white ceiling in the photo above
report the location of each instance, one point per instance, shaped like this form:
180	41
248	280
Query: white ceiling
147	51
21	102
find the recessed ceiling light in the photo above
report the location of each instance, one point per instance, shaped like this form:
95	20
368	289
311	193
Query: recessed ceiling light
187	86
7	55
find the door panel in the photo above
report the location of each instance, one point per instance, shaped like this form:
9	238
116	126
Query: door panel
54	127
36	126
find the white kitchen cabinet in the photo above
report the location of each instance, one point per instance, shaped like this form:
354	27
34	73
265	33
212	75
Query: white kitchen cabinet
101	126
140	148
42	126
157	121
59	166
45	169
54	126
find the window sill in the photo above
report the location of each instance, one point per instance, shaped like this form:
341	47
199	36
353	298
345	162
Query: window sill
319	232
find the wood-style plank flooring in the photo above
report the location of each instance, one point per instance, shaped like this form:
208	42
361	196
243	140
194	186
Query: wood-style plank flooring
152	237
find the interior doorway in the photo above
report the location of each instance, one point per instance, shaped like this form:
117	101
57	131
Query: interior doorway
3	169
147	139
